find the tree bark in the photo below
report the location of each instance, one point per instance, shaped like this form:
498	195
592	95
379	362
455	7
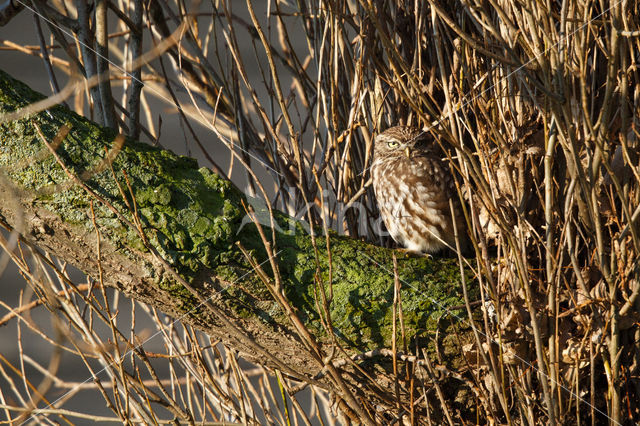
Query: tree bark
176	237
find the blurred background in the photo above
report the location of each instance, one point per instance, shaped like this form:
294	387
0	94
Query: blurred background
536	106
30	344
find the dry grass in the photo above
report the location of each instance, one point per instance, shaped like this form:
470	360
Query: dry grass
537	104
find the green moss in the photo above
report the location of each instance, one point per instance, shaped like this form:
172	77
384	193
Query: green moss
194	218
188	214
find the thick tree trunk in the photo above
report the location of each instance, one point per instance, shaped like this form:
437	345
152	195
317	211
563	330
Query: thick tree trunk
177	236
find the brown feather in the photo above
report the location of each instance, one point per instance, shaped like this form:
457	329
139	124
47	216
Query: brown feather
413	192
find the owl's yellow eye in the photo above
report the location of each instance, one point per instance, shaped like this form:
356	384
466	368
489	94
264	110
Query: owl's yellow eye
393	144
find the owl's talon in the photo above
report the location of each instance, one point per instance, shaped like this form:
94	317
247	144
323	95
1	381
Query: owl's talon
410	253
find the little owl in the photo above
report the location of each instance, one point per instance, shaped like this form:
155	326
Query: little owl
413	186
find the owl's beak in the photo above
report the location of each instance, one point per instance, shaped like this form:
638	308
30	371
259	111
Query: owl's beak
407	152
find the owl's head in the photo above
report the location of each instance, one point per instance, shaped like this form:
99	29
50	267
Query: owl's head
399	140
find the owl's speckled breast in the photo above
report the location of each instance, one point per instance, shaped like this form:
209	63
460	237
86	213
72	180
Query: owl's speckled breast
413	193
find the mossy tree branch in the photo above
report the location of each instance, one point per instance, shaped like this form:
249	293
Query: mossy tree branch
163	223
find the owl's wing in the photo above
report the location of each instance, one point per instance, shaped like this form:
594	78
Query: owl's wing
433	172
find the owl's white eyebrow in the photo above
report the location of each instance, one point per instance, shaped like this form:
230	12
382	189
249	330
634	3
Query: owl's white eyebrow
384	138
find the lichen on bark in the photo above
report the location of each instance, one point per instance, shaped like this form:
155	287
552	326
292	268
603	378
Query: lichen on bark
195	219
